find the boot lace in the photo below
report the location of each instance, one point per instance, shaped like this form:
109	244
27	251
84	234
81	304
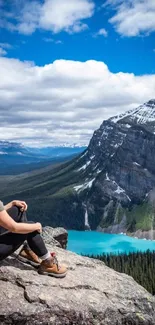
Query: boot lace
55	260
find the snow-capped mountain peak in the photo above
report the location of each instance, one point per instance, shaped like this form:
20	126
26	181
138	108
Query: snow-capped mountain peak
143	114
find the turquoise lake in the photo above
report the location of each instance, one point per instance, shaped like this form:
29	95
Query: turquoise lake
92	242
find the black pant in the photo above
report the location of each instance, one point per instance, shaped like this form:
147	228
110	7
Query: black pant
10	242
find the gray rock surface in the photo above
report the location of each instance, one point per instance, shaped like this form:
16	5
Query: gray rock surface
55	236
91	293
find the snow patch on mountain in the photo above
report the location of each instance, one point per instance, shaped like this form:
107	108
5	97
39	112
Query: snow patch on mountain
99	171
85	153
85	166
92	157
143	114
107	177
120	190
82	187
135	163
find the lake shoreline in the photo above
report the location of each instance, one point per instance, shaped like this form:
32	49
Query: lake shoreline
140	234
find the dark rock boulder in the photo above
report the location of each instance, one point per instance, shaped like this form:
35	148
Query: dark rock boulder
55	236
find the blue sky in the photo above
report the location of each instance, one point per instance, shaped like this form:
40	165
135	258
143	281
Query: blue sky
78	61
120	52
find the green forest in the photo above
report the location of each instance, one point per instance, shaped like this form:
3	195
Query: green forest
139	265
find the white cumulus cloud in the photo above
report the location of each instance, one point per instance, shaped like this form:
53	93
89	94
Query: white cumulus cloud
133	17
64	101
4	47
2	51
50	15
58	15
101	32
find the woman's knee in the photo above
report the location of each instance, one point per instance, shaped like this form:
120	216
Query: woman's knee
16	214
14	210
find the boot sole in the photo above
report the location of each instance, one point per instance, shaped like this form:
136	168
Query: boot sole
53	274
26	261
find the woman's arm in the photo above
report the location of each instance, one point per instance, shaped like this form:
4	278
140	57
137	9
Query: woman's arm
8	205
20	228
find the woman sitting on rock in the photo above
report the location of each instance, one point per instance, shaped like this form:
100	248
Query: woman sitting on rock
15	230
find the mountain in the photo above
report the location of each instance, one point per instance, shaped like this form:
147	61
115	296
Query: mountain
16	158
59	151
109	187
16	153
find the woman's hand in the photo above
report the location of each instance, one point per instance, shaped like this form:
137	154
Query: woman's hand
39	227
21	204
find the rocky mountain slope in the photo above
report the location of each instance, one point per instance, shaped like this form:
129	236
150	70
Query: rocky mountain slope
90	294
109	187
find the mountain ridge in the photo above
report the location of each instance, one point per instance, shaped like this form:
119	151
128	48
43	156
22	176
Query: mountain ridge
144	113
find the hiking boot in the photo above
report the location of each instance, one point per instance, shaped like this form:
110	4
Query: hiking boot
29	257
52	268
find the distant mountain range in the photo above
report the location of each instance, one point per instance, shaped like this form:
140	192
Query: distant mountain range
109	187
16	158
58	151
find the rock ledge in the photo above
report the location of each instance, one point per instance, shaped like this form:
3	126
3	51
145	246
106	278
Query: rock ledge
90	294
